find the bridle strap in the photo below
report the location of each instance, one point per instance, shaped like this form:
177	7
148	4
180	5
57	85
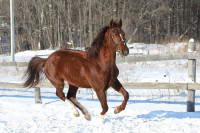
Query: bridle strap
116	44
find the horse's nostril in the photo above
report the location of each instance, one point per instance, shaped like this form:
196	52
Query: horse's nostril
124	52
127	51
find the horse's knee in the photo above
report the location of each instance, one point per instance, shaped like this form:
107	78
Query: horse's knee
61	95
126	95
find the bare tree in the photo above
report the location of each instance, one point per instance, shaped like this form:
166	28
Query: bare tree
58	23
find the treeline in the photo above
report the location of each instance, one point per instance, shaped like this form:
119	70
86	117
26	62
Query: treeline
42	24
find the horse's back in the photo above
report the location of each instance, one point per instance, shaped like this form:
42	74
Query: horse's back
69	53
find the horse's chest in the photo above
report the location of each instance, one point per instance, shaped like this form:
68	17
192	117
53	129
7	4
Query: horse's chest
113	75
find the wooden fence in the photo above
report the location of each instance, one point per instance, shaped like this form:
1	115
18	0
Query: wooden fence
191	56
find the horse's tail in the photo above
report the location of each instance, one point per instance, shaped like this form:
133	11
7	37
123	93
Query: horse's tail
35	68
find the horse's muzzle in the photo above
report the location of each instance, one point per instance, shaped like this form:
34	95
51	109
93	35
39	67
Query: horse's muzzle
124	52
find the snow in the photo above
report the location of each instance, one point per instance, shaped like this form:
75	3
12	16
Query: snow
157	111
191	40
145	112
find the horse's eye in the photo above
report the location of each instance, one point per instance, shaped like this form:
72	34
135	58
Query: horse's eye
113	36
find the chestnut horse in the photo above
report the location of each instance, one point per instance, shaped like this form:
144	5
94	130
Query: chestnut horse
94	68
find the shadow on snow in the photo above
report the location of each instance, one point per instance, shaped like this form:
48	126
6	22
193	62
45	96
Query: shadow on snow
109	100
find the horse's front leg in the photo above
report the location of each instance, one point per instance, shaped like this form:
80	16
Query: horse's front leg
119	88
101	94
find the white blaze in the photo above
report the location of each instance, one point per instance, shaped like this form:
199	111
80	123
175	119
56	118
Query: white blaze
121	38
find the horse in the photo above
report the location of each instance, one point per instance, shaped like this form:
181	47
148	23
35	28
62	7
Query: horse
93	68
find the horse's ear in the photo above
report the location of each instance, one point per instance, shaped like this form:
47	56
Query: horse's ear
120	23
112	23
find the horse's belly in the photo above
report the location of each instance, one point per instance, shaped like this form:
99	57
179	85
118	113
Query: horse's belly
82	84
77	80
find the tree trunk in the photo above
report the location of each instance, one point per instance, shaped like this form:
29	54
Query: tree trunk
116	9
59	30
124	9
101	13
41	45
157	32
51	35
69	24
150	32
168	21
177	17
80	25
1	47
191	18
90	22
198	19
85	26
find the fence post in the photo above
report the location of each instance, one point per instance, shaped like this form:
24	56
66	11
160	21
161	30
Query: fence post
191	77
37	95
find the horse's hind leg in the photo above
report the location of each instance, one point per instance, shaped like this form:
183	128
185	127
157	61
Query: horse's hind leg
71	95
59	85
119	88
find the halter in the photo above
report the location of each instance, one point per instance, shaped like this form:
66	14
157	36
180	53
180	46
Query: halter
116	44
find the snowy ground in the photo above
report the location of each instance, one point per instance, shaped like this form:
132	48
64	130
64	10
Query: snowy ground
147	111
150	111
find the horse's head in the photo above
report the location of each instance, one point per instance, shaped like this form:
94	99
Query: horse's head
117	37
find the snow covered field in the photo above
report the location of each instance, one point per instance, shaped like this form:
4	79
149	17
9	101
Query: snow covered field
147	111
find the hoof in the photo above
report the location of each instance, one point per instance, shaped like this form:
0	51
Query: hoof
76	115
117	111
87	117
100	117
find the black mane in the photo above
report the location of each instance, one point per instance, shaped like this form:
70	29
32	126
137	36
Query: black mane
97	43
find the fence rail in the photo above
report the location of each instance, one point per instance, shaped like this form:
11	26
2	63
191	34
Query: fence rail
127	85
176	56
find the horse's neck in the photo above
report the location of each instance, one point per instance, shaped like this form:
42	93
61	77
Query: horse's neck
107	61
107	55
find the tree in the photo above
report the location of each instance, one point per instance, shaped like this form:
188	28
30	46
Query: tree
58	23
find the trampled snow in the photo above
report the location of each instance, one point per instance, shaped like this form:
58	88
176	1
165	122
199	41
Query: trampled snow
156	111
